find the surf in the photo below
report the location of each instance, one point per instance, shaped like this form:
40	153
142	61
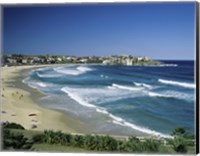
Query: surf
176	83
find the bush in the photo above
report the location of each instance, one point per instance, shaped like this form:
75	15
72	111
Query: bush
15	141
151	145
134	145
12	125
179	131
39	138
179	145
77	141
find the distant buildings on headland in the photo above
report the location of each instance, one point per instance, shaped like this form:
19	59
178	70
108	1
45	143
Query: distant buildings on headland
128	60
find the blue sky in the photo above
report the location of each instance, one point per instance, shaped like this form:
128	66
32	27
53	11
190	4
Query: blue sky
156	30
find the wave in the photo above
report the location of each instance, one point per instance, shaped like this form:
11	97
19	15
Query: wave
176	83
37	84
125	87
33	83
48	75
158	95
146	130
77	98
122	122
100	110
163	65
116	120
77	71
26	79
42	69
84	69
173	94
168	65
143	85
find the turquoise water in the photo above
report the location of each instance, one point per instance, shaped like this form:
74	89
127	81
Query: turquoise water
150	100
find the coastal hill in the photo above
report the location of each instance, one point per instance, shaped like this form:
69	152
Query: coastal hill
127	60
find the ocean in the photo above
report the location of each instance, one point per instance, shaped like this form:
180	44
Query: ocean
121	100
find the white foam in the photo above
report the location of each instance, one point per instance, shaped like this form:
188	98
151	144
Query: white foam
122	122
143	85
84	69
157	95
163	65
102	94
100	110
25	80
67	71
48	75
176	83
168	65
126	87
41	84
42	69
116	119
118	123
72	71
146	130
77	98
173	94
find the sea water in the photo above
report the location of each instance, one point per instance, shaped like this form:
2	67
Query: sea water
128	100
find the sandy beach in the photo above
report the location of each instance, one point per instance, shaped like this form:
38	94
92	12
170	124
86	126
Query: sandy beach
18	104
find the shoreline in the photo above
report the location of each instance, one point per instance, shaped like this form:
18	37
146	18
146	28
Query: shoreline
28	112
19	104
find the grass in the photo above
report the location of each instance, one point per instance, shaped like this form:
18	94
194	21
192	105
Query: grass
57	148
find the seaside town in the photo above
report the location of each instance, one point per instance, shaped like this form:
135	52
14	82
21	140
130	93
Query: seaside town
129	60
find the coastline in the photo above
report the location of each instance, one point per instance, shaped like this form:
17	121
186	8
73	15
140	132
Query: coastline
18	104
29	112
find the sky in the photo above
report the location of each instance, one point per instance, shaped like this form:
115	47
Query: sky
156	30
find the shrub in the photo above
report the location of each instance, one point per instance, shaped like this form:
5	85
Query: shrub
179	145
15	141
39	138
151	145
12	125
77	141
179	131
134	145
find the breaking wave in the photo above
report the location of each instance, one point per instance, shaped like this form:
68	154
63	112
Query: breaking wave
48	75
176	83
125	87
116	120
143	85
72	71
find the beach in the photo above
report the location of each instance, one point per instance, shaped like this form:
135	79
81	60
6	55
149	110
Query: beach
93	99
18	104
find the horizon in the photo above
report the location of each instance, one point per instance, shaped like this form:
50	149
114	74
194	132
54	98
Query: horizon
160	31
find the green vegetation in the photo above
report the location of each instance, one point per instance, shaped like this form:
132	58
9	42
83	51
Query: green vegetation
15	137
12	125
15	141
